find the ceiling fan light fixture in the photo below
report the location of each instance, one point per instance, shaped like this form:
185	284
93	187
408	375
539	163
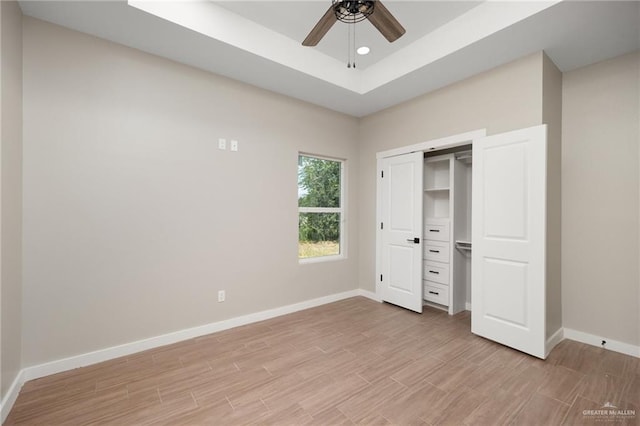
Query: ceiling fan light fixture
364	7
352	11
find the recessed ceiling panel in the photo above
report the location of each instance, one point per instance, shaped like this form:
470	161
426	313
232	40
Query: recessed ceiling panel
295	19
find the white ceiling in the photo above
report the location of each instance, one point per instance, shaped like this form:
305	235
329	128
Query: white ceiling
259	42
286	17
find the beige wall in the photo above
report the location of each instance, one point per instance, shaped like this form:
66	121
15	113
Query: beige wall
10	191
552	117
600	281
505	98
134	219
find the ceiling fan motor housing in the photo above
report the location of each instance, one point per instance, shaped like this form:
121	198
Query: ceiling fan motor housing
352	11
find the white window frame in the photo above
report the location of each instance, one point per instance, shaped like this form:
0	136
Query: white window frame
341	210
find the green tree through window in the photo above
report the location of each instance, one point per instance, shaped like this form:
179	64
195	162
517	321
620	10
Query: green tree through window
319	207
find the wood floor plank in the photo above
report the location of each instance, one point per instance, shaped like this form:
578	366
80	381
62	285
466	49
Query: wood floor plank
541	410
384	367
333	393
562	384
210	393
331	416
412	405
373	398
292	415
632	393
603	387
525	382
451	349
500	409
293	359
336	364
577	356
350	362
296	393
417	371
452	375
264	391
490	378
454	407
617	364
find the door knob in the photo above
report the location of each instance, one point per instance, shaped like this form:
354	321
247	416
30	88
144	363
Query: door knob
415	240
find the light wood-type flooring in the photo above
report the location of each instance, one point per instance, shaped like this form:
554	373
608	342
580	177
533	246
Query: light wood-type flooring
355	361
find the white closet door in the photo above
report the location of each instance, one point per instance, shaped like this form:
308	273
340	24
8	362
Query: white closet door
401	214
508	231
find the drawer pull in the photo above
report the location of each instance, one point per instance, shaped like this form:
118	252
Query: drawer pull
434	292
434	272
434	230
434	251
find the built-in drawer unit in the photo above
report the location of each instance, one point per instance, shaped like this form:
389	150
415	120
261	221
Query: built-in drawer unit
436	230
436	250
436	271
434	292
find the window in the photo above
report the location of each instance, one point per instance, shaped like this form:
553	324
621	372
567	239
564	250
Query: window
320	209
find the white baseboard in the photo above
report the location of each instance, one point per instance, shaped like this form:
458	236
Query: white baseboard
53	367
369	295
467	306
613	345
11	396
552	341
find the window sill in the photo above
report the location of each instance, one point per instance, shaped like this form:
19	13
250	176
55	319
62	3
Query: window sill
321	259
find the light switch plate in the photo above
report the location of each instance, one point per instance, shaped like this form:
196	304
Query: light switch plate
234	145
222	143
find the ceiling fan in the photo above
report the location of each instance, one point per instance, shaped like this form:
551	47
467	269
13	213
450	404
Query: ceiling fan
352	11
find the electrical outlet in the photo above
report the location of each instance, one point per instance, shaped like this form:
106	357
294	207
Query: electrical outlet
221	296
222	143
234	145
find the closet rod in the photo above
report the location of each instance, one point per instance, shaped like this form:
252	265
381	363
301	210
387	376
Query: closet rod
463	155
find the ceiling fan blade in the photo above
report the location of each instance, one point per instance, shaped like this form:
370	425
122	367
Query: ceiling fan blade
324	24
384	21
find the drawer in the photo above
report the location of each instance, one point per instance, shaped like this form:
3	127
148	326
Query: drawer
436	250
436	271
436	231
434	292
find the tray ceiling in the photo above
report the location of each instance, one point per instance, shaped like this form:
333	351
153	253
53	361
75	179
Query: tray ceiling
259	42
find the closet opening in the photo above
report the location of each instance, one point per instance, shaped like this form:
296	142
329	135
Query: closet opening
446	276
